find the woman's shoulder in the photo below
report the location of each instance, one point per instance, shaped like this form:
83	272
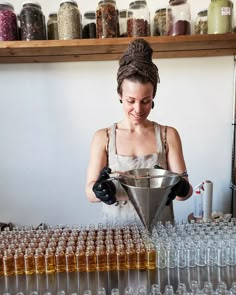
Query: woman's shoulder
101	134
168	131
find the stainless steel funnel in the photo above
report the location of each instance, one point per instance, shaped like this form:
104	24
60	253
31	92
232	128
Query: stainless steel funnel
149	194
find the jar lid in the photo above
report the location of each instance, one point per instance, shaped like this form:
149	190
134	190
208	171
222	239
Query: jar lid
177	2
203	12
125	13
31	2
137	4
90	14
105	1
69	1
160	10
7	4
51	14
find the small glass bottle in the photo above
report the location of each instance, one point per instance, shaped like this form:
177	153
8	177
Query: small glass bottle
8	263
101	262
138	23
151	256
80	259
32	21
121	257
49	261
90	259
39	261
1	263
69	20
107	19
159	22
52	27
220	17
19	262
178	18
29	261
131	257
200	26
60	259
89	25
111	258
70	259
8	22
141	257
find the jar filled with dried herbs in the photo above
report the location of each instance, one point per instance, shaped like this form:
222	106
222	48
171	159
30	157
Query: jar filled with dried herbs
178	18
69	20
107	19
8	22
200	26
138	23
159	22
89	25
52	27
123	17
32	21
220	17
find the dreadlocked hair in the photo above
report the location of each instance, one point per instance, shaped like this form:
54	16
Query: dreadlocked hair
136	65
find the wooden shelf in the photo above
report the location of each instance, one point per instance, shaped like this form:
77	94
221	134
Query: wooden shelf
111	49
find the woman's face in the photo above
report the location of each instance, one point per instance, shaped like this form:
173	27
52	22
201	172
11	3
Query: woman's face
137	100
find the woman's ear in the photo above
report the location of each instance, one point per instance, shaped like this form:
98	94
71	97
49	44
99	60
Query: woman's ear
121	101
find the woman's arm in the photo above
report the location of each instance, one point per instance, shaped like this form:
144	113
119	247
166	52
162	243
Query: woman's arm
175	158
97	161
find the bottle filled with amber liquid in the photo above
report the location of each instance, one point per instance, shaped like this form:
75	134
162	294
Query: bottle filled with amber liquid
60	259
141	257
8	263
19	262
70	259
121	257
1	264
111	257
49	261
80	259
101	261
90	259
131	257
29	261
151	256
39	260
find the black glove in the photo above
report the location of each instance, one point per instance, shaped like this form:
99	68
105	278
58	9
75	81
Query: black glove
157	167
105	190
180	189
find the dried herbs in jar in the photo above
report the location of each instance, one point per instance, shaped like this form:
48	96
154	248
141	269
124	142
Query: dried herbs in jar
200	26
69	20
32	21
8	22
159	22
107	19
89	25
52	27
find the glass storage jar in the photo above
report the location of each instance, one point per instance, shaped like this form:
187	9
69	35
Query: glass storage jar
178	18
200	26
159	22
69	20
89	25
8	22
123	17
138	23
107	18
52	26
32	21
220	17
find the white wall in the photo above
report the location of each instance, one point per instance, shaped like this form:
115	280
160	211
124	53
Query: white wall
49	112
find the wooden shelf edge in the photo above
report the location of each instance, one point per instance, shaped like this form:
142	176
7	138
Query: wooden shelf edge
111	49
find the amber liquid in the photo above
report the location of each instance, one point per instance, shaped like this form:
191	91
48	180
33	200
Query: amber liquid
70	263
90	262
141	259
8	266
60	262
121	260
1	265
151	259
111	260
29	264
49	263
39	264
131	259
19	264
101	261
80	262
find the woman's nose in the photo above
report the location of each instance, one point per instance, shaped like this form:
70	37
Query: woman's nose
138	107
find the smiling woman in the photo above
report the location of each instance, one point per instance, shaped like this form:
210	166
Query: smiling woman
134	142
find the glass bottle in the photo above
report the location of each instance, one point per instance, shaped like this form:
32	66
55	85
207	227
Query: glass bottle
49	261
60	260
90	259
151	256
159	22
121	257
141	257
29	261
69	20
123	17
8	263
80	259
107	19
178	18
131	257
52	27
19	262
39	261
70	259
1	263
101	262
138	23
111	257
32	21
8	22
220	17
200	26
89	25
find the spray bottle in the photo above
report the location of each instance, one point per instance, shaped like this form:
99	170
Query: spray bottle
198	200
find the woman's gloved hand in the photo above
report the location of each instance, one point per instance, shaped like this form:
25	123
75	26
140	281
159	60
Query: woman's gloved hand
180	189
105	190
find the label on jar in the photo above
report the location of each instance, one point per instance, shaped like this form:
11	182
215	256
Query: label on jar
225	11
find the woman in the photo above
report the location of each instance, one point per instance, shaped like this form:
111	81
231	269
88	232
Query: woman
135	142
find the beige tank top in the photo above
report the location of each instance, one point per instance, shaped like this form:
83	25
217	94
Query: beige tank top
123	211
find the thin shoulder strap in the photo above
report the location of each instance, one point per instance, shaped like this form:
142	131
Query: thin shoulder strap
112	140
165	139
158	137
